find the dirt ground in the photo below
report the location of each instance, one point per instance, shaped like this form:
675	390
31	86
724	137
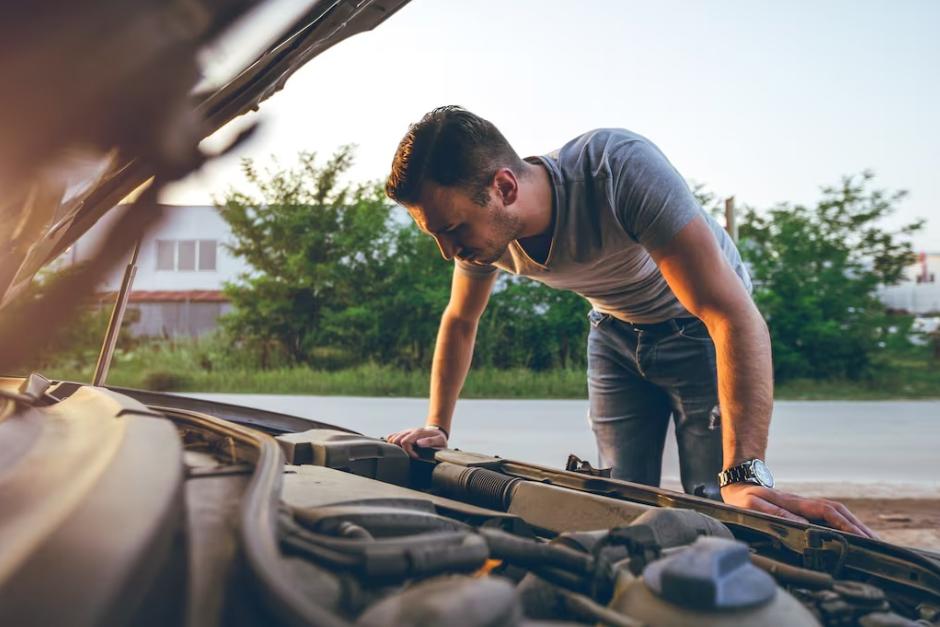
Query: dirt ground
904	521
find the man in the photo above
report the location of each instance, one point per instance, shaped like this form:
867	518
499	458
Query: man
608	217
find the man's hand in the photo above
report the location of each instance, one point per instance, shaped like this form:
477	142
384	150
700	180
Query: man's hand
793	507
429	437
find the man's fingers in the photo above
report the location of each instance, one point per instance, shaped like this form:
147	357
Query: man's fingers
408	439
407	443
845	511
798	508
762	505
839	512
433	441
832	517
398	436
822	510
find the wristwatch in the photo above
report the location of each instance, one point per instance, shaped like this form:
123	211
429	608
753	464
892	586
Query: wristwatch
751	471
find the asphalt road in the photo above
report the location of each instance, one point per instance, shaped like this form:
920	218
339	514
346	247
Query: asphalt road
871	448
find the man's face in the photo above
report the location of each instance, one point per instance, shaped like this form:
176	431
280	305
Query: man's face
462	228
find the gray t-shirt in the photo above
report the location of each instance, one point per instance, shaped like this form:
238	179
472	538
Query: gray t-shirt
616	197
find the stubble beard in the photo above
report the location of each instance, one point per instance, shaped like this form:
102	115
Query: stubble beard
506	227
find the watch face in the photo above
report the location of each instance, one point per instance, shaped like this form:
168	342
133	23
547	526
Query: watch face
762	473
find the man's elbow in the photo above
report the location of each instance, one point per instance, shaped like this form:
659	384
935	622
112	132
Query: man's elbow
739	318
459	321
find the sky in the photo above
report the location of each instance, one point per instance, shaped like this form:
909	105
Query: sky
766	101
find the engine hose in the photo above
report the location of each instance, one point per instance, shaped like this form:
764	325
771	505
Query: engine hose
562	579
413	556
793	575
320	554
585	608
532	554
376	521
480	486
360	546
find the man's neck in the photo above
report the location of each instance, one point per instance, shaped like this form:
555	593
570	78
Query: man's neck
536	213
535	201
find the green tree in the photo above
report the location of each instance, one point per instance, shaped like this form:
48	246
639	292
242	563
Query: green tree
816	271
530	325
317	248
407	307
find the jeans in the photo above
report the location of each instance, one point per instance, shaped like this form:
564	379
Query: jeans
639	375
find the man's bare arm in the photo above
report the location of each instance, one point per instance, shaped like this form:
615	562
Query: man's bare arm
454	349
703	281
452	356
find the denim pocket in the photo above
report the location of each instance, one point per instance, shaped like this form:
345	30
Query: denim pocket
597	318
695	330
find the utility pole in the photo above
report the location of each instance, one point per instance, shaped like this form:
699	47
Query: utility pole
731	224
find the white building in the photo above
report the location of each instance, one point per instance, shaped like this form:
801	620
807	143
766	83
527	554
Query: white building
920	292
181	269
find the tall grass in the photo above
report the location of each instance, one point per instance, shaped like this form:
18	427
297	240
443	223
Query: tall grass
211	366
910	373
365	380
207	365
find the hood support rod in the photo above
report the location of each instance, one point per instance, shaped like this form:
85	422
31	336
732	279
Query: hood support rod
117	316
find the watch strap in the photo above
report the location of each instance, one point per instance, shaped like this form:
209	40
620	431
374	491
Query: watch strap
439	428
741	473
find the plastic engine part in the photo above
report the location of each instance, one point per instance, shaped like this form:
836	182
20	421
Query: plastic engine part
451	601
712	574
678	527
711	583
380	521
357	454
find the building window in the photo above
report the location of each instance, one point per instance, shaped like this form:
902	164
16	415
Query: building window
166	254
207	254
186	257
186	254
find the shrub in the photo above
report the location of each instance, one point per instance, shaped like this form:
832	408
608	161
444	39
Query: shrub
165	381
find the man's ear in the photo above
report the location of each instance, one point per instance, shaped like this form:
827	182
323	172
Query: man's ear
507	185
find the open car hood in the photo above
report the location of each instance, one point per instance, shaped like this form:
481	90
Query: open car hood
107	97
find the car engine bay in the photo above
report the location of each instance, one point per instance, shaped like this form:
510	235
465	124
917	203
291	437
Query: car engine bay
200	513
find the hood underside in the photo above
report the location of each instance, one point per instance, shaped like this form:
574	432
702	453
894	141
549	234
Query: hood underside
108	98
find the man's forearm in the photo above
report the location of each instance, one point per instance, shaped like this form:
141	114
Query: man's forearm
452	355
745	384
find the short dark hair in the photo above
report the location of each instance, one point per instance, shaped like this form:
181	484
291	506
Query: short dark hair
451	147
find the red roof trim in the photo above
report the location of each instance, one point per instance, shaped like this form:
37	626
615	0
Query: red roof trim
170	296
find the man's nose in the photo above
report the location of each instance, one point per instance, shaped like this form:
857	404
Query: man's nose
446	245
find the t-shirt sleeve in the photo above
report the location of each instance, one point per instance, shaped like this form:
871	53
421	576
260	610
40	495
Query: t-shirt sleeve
473	270
651	199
